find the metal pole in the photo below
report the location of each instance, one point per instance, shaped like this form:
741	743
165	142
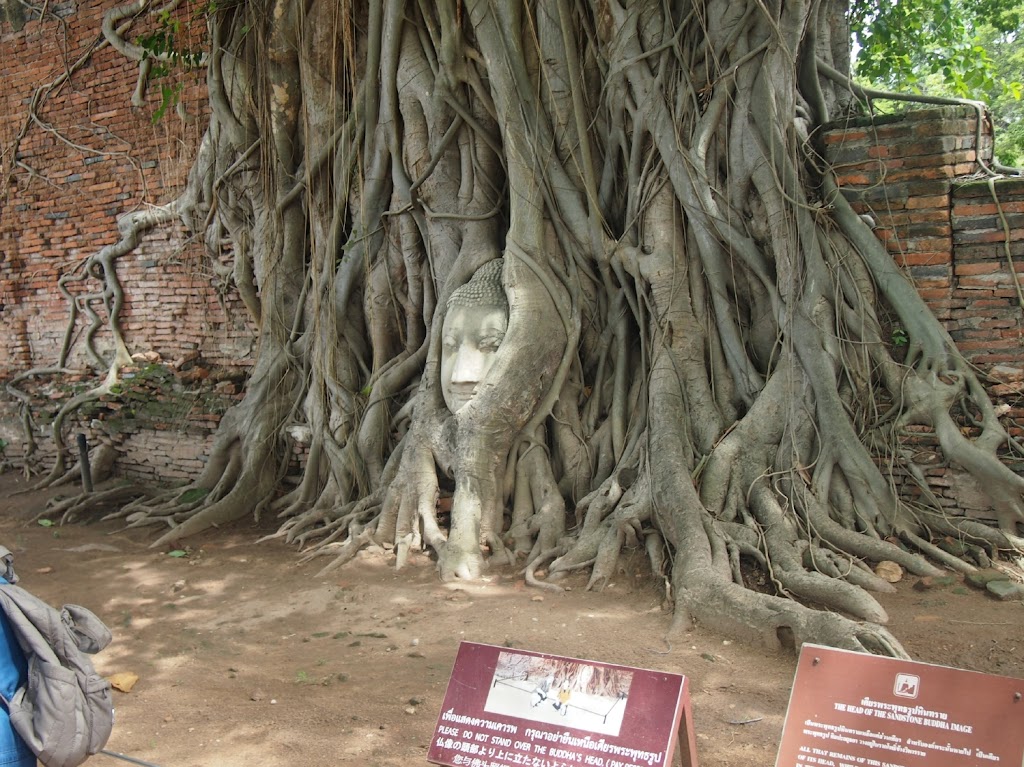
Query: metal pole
131	759
83	462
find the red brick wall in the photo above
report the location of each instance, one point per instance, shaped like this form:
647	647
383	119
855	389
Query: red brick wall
85	158
987	270
960	238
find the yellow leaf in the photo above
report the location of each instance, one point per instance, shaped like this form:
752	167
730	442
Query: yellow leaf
123	681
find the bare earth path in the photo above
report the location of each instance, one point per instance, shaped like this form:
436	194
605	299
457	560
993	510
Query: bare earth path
245	659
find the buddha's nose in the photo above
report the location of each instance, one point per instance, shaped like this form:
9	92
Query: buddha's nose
469	366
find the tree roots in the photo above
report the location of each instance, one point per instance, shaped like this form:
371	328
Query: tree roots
694	368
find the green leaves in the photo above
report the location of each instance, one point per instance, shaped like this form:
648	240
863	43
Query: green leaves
963	48
167	55
169	95
905	44
192	495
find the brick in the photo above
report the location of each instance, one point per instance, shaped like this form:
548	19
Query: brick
978	236
970	208
979	268
984	280
845	136
936	217
1005	187
988	303
929	172
922	228
937	201
850	179
924	258
998	324
925	244
928	294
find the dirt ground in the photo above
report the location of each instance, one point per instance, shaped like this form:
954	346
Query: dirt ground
246	659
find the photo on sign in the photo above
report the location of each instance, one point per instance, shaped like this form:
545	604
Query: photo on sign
561	692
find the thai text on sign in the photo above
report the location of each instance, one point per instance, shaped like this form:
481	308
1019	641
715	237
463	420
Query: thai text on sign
854	710
506	707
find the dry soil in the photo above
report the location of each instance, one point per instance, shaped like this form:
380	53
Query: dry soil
245	658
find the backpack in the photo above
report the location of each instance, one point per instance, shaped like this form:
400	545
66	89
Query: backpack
64	711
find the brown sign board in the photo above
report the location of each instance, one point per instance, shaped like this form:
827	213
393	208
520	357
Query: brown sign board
512	708
850	709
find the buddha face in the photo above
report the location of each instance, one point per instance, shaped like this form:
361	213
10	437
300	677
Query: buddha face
470	338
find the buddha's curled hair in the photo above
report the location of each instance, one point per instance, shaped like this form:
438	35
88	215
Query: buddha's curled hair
483	289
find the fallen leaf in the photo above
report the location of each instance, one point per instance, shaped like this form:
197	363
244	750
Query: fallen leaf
123	681
889	571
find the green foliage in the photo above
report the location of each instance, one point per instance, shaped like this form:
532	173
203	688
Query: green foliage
193	495
960	48
1007	51
1010	142
900	43
168	56
162	46
169	95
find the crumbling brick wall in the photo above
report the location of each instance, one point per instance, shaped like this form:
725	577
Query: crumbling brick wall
959	234
75	156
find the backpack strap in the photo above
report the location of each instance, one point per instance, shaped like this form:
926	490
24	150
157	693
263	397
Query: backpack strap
7	562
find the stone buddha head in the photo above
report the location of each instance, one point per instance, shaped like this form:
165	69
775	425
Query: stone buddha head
474	327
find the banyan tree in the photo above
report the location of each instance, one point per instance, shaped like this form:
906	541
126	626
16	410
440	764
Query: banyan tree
547	281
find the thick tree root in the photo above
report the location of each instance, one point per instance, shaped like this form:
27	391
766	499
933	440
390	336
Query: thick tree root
778	623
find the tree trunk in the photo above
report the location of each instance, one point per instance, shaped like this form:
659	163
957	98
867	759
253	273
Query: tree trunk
692	308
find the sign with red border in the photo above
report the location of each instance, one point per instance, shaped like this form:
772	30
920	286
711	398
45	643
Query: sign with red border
512	708
849	709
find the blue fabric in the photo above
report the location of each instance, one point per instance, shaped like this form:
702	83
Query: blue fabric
13	751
